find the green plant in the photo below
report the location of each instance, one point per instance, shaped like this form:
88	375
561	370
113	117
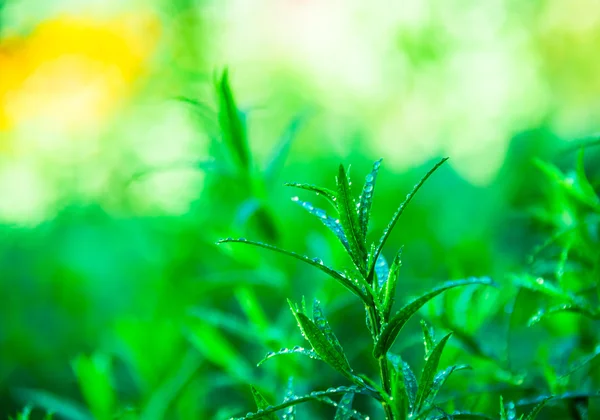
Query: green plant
374	283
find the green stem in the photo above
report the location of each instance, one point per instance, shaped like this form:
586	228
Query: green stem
384	372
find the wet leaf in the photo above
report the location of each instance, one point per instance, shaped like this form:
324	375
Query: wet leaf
293	350
262	403
330	351
388	293
394	326
290	412
396	216
440	379
323	325
349	219
581	362
330	195
315	262
406	381
366	198
333	224
428	374
344	408
428	337
382	270
536	410
295	400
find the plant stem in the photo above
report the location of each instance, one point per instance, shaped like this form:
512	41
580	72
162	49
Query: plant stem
384	372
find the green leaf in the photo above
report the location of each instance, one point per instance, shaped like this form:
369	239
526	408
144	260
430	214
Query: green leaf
428	337
315	262
330	195
396	216
328	350
366	199
233	127
346	206
323	325
575	186
581	362
467	415
290	412
262	403
391	330
382	271
333	224
440	379
295	400
565	307
344	408
388	293
428	374
281	152
405	380
536	410
293	350
94	374
54	404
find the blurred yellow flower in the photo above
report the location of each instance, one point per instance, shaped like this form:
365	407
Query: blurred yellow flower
72	71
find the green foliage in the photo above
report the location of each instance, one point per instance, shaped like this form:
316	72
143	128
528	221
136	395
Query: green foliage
400	395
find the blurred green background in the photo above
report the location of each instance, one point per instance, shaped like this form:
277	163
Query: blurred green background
115	184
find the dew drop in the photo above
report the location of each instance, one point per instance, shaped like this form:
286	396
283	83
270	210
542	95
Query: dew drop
308	206
369	188
539	280
321	213
370	178
295	198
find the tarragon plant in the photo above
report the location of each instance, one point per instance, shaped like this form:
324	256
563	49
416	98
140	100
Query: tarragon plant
401	394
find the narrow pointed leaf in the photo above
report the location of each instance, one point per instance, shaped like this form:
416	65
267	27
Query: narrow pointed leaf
396	216
323	325
581	362
290	412
349	220
330	195
428	338
295	400
466	415
406	376
567	307
536	410
382	270
293	350
320	344
262	403
503	415
366	199
232	124
389	290
429	372
344	408
333	224
394	326
440	379
282	150
336	275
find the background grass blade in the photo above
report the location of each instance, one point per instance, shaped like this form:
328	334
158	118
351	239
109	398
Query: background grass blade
392	329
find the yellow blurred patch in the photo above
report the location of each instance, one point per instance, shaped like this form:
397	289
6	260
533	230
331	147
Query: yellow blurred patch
70	72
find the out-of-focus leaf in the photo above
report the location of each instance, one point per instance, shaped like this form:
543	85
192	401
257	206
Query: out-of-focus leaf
392	329
95	381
